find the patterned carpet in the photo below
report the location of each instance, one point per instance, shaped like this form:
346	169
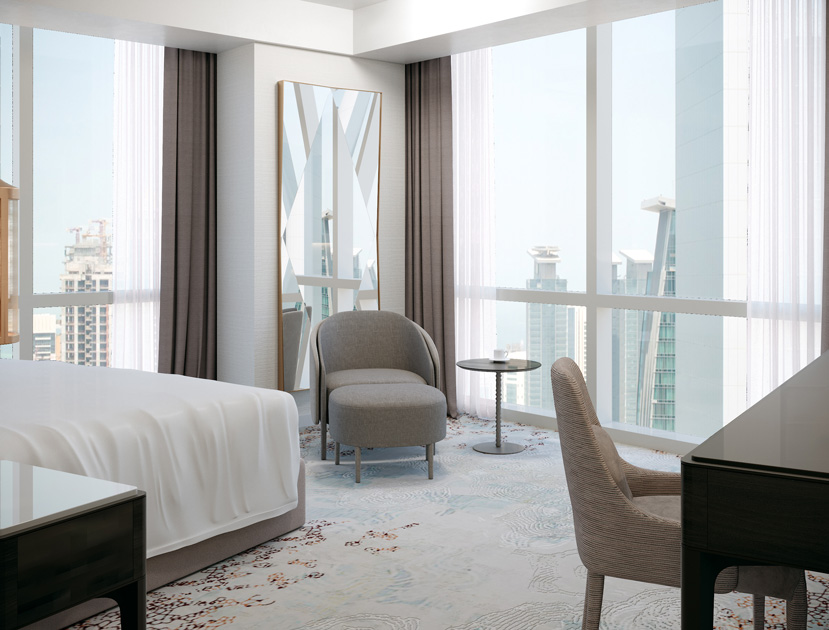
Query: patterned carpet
487	544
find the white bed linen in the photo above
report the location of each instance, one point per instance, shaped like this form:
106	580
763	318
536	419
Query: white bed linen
212	457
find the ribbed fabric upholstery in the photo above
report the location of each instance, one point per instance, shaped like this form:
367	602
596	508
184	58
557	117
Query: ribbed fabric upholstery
618	538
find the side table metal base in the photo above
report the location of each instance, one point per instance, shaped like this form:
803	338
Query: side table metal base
506	448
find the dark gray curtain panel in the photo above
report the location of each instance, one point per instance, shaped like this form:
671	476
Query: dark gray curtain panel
187	327
430	272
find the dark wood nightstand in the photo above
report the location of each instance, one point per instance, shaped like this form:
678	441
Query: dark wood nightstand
66	539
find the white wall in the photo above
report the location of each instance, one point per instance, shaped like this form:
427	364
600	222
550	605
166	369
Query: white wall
248	210
235	222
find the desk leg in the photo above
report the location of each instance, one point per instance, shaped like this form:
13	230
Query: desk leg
132	600
699	572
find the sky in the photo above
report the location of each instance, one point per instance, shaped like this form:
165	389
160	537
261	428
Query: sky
73	126
539	125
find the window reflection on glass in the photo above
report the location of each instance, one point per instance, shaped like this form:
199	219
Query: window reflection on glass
552	331
677	372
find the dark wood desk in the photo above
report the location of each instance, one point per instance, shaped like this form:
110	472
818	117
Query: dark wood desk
757	491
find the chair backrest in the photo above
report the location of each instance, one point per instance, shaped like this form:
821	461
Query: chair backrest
594	494
374	339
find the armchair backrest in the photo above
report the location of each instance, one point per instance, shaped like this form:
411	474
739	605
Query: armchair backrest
594	494
374	339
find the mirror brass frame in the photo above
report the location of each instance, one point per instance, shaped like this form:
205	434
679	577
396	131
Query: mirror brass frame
328	212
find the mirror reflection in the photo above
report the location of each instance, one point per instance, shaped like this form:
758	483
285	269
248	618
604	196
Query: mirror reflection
329	148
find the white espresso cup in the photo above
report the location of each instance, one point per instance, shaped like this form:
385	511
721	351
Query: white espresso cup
500	354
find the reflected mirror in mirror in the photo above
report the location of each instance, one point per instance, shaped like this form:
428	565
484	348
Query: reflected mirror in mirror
328	183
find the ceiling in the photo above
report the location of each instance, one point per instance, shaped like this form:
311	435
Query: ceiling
399	31
347	4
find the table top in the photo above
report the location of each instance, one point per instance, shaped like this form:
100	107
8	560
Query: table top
31	496
488	365
787	431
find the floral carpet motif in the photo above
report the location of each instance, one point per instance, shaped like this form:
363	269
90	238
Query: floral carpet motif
487	544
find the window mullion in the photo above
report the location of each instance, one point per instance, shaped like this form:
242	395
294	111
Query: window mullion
24	129
599	120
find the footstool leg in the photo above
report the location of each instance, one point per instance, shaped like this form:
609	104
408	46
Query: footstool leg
357	464
430	456
323	438
337	453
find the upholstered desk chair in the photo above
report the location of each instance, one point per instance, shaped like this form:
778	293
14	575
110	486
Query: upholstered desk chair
368	348
627	519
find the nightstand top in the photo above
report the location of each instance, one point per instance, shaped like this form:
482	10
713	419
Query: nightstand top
31	496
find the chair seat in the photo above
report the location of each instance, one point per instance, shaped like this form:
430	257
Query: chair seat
665	505
371	376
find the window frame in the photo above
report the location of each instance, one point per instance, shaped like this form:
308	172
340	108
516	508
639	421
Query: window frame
598	299
23	98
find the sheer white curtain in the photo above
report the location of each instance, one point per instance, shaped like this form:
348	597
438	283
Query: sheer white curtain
474	223
139	84
785	188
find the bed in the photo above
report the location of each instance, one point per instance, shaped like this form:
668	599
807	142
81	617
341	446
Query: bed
219	462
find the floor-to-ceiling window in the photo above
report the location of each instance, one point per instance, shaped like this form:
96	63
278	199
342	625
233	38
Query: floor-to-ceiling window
58	143
620	202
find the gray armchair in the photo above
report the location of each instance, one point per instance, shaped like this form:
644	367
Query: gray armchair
627	519
367	348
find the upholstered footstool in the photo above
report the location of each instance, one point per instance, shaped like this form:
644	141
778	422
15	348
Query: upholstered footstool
381	416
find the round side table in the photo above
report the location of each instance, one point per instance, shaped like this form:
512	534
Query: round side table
499	367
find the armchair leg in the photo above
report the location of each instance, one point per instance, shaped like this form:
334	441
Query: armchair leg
593	601
760	612
430	457
323	439
797	608
337	453
357	464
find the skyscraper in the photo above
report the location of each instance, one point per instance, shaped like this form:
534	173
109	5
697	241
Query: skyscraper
627	327
657	356
87	268
46	340
548	326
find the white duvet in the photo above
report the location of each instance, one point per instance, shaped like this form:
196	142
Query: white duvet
212	457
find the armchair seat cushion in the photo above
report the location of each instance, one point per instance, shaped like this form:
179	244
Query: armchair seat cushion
371	376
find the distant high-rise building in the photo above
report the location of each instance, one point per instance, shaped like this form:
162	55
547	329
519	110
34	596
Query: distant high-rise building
627	328
45	338
87	268
515	382
711	210
657	356
548	326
